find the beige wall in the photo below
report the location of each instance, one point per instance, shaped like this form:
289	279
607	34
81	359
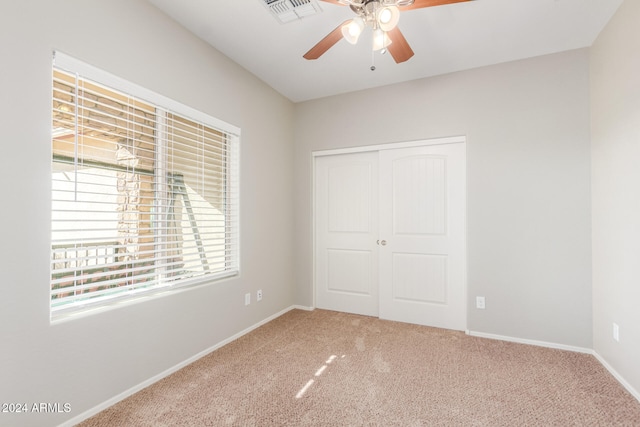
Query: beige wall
88	361
528	191
615	127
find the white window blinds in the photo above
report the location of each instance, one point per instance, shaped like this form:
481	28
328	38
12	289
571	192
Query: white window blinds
144	194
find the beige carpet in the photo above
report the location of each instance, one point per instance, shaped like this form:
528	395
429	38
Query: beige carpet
324	368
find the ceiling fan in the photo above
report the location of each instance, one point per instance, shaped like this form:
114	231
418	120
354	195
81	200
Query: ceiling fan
382	17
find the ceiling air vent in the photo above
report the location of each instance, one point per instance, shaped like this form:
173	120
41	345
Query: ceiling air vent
290	10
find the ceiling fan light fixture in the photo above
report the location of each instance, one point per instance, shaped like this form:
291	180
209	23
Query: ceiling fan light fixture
380	39
352	30
387	17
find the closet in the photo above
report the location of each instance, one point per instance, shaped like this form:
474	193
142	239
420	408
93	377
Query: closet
389	232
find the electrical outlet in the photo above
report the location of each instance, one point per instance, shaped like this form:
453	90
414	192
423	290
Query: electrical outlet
480	303
259	295
616	332
247	299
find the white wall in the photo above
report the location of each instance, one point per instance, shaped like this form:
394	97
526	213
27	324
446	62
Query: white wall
527	129
615	127
87	361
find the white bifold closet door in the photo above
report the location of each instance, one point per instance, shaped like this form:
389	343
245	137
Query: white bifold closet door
390	234
346	222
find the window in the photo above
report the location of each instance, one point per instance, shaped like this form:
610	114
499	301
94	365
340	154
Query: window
144	191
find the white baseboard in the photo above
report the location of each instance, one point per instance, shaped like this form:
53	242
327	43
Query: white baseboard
531	342
104	405
600	359
617	376
302	307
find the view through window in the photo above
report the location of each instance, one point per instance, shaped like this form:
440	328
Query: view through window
143	197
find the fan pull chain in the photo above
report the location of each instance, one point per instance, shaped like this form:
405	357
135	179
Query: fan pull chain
373	60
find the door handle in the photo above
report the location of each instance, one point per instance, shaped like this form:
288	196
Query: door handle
382	242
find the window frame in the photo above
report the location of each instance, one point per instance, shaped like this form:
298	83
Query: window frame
167	107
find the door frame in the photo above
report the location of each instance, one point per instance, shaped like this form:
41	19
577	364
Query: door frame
380	147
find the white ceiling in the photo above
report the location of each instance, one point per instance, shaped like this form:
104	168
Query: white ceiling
444	38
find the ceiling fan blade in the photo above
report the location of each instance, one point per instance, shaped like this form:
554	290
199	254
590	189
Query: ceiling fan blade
419	4
326	43
399	48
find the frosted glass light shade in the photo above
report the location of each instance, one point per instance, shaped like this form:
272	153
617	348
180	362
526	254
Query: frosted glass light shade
387	17
380	39
351	31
